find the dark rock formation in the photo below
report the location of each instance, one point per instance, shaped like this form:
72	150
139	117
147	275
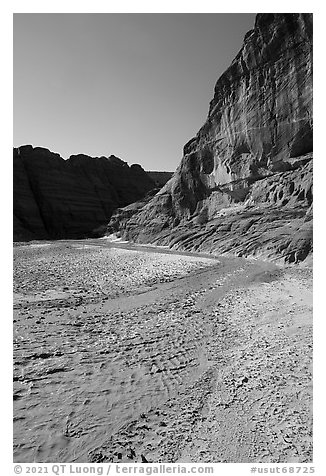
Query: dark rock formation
244	185
74	198
159	178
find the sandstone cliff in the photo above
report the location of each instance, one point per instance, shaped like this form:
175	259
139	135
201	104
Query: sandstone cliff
74	198
244	185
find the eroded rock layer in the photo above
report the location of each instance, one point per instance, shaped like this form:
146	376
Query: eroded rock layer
74	198
244	184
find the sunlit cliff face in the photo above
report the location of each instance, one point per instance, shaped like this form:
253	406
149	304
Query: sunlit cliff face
255	148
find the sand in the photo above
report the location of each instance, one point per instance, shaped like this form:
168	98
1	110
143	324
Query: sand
134	354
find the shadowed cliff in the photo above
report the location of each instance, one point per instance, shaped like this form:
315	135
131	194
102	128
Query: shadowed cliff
244	185
74	198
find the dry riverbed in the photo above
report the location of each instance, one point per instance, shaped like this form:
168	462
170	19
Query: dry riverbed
133	355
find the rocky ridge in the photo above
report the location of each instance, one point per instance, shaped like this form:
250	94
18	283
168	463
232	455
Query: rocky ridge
244	185
74	198
160	178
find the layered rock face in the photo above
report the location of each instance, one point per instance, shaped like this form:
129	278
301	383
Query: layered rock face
244	185
74	198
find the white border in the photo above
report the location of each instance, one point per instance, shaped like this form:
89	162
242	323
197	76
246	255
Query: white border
66	6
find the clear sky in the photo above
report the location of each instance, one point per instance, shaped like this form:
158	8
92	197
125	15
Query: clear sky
134	85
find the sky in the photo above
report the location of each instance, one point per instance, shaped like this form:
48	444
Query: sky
136	85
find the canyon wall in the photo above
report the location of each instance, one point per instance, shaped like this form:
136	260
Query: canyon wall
74	198
244	185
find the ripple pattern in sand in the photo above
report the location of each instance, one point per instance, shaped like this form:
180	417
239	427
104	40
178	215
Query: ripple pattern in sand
80	375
